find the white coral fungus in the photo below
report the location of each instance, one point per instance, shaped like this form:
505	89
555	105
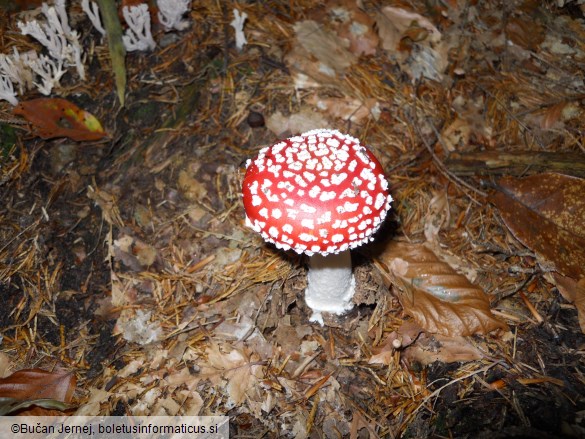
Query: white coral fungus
238	24
56	35
170	13
93	12
138	35
7	92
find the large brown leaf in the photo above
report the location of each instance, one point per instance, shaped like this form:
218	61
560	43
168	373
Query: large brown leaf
56	117
42	390
37	384
439	299
546	212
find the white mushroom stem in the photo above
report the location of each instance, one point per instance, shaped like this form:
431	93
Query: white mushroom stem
331	285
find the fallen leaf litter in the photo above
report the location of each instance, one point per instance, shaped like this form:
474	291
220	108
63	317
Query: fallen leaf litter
208	319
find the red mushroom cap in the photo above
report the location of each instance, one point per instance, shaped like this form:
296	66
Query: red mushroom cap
320	192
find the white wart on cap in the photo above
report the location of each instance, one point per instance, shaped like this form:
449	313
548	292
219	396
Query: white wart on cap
320	192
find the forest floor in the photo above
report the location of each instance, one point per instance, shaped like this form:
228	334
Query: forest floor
126	263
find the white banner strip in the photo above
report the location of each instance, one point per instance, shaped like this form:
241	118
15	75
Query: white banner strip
114	427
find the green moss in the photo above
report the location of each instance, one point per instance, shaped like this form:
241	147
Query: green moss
7	138
146	114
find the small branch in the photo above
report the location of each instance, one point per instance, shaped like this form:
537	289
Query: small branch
436	393
438	162
515	163
440	165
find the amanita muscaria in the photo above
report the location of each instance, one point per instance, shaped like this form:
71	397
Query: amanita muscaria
321	194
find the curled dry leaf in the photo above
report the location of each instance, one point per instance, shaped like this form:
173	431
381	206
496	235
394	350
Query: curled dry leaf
573	292
399	339
546	212
439	299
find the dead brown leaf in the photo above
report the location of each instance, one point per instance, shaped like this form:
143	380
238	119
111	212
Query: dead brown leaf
469	126
357	27
358	423
191	187
429	349
346	108
414	41
399	339
552	116
305	120
546	212
456	134
134	253
37	384
439	299
137	327
573	292
56	117
318	56
6	365
239	373
323	45
393	23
